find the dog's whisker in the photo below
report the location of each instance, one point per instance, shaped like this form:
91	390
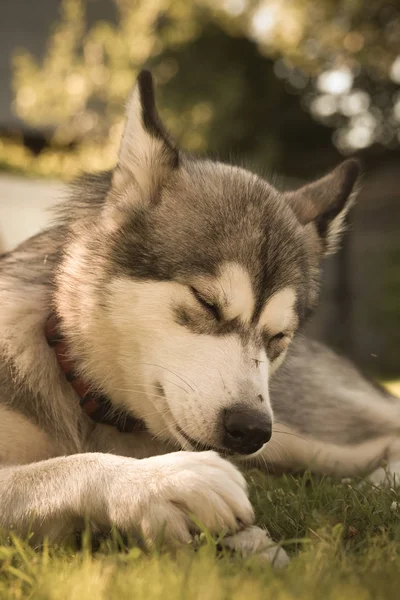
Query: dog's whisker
170	371
144	385
293	434
177	401
284	425
144	392
173	423
285	449
274	451
264	460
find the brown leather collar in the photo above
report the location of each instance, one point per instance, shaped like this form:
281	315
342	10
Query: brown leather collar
97	406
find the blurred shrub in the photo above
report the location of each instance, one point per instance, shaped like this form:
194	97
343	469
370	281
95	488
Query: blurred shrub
342	57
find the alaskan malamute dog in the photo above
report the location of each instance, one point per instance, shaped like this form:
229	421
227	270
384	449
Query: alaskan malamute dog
147	324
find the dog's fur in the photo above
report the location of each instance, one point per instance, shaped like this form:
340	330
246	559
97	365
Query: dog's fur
179	284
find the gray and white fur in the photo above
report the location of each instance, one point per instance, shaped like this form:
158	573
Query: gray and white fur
179	284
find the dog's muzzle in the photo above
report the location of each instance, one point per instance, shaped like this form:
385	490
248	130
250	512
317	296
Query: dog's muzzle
244	431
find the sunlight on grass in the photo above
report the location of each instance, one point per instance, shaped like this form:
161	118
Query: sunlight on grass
343	537
393	387
349	548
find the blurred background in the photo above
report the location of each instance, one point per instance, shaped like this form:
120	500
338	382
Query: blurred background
287	87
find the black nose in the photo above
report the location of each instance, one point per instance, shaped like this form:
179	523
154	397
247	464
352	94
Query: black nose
246	430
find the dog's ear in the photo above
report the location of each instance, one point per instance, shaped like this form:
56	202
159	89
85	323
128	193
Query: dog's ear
326	202
146	155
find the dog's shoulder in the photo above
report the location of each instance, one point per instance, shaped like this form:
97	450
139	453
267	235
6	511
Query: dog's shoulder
30	380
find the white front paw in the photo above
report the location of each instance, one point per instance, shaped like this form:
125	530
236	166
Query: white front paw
167	495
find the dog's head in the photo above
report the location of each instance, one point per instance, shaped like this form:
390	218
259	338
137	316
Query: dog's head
204	272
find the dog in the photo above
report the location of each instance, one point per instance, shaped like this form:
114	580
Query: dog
140	340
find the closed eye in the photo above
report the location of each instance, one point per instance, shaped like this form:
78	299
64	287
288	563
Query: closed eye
278	336
209	306
277	344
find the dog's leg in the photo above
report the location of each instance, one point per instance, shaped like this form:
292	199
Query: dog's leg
21	441
389	472
290	451
140	444
332	448
153	497
58	507
328	417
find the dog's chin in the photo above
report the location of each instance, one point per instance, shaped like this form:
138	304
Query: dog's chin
249	457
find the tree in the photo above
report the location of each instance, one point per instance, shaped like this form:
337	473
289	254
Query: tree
342	59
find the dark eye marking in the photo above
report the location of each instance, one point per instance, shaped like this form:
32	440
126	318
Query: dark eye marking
276	344
278	336
210	307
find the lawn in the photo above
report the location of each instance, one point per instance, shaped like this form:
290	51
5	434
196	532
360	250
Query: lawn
344	539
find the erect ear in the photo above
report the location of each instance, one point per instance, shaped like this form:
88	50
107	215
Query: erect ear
326	202
146	155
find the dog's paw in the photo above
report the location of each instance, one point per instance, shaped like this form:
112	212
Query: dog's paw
254	541
170	496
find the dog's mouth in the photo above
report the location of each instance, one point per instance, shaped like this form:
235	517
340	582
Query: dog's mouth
201	446
195	445
185	439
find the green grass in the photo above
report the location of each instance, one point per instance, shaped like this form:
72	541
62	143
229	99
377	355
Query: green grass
344	539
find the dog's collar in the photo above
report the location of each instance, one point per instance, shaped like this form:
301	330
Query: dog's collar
98	407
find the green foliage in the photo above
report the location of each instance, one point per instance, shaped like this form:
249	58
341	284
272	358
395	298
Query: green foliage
77	92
